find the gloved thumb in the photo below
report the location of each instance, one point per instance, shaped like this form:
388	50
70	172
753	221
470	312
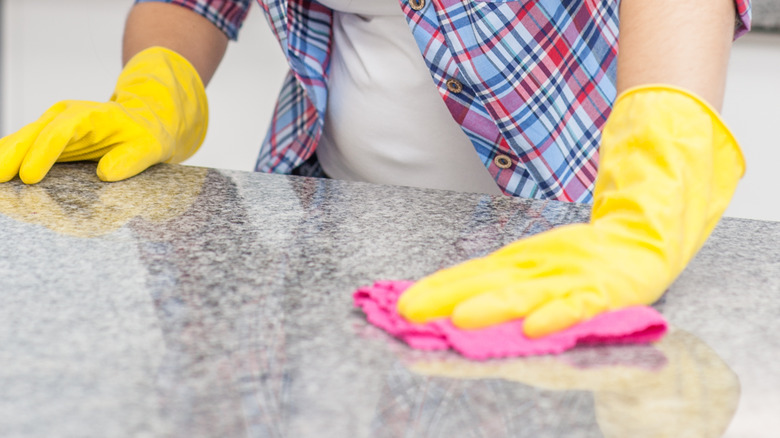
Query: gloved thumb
130	158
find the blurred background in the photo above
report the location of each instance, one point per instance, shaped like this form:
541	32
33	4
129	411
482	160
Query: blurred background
53	50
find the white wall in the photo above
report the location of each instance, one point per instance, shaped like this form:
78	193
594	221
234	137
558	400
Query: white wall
752	110
54	50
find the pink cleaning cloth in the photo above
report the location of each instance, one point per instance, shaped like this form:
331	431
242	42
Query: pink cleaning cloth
640	324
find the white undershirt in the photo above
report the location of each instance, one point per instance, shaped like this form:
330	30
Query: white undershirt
386	122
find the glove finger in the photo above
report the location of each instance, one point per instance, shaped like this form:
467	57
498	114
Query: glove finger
129	159
88	147
14	147
527	264
106	127
51	142
513	301
426	300
460	274
479	275
565	239
562	313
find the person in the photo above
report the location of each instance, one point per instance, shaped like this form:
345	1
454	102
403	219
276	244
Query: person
537	88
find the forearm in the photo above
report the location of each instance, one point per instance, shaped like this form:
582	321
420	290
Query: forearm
684	43
176	28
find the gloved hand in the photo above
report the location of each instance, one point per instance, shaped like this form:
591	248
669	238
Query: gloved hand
158	113
668	168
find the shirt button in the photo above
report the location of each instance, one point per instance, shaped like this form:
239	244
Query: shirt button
503	161
454	85
417	4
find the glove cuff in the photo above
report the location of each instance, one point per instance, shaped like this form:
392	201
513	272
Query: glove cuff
668	169
172	96
718	123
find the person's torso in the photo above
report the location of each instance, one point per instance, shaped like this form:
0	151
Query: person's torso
385	122
530	84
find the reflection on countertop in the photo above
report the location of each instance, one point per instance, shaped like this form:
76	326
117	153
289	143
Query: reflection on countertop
195	302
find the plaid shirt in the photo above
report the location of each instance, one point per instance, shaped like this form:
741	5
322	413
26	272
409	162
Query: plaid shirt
531	83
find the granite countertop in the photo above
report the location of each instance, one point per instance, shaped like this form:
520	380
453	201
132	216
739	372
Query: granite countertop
195	302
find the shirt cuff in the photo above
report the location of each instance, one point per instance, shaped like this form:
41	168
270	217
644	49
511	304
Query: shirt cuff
227	15
744	17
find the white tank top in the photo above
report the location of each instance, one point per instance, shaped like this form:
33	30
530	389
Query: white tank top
386	122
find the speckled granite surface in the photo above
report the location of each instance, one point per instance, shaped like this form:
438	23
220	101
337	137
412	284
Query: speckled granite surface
766	15
201	303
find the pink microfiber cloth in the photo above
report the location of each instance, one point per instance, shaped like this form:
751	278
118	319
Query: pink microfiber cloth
639	324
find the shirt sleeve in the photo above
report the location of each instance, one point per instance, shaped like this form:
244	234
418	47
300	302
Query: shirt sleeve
744	17
227	15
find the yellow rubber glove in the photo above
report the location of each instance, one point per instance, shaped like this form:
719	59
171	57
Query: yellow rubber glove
158	113
668	168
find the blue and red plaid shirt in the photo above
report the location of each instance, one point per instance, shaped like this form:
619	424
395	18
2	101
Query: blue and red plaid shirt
538	81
